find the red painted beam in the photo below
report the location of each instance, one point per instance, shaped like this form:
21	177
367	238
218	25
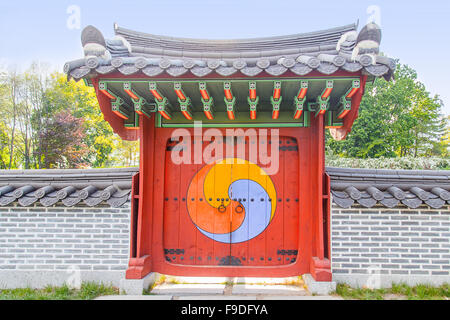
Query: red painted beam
180	94
209	115
352	93
326	93
205	95
132	95
275	114
298	114
156	95
187	115
106	93
302	94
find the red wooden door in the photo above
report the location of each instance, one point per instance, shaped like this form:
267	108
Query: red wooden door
231	211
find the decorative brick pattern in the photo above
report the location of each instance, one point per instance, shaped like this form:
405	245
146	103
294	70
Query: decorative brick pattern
58	238
393	242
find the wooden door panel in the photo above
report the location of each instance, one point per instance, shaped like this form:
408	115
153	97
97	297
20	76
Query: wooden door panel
230	212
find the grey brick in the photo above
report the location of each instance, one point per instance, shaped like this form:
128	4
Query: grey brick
100	267
390	266
420	272
440	273
399	272
341	271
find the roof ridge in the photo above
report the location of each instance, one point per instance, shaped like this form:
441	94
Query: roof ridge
132	33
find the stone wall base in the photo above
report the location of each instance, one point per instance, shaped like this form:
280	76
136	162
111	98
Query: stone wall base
12	279
137	286
321	288
385	281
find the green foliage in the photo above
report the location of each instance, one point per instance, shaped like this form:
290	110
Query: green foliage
88	291
61	142
397	291
36	131
396	119
405	163
82	102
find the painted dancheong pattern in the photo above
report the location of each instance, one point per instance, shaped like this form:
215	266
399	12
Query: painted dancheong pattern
247	195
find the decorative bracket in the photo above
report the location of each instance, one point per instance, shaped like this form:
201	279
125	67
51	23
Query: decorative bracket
161	102
346	100
324	100
184	101
323	105
346	106
230	101
185	107
207	100
276	107
300	99
118	106
253	100
299	106
140	104
276	99
164	109
208	108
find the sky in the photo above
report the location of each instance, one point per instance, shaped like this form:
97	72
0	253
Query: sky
416	32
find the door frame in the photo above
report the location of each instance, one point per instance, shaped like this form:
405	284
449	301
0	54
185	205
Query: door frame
310	240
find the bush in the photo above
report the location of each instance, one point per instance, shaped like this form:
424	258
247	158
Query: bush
406	163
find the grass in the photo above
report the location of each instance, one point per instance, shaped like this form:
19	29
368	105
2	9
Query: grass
398	291
88	291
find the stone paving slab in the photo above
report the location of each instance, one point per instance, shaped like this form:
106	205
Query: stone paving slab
215	297
188	289
281	281
287	297
197	280
141	297
268	289
246	280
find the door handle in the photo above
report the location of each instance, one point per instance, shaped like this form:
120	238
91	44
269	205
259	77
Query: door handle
239	208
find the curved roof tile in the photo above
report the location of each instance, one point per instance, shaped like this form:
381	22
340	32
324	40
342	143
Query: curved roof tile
132	52
389	188
368	188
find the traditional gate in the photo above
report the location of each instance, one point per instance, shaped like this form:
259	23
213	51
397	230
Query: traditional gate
230	213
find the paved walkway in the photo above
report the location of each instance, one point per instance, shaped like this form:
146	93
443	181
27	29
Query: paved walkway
187	288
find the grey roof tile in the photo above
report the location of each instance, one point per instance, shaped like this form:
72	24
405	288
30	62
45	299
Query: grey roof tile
388	188
317	50
69	187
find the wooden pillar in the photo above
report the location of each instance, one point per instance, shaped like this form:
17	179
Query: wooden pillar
320	266
141	230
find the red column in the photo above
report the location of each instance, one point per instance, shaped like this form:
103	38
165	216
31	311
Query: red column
320	266
140	264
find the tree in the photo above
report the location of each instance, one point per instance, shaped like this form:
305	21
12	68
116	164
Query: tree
82	102
396	119
62	142
31	102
